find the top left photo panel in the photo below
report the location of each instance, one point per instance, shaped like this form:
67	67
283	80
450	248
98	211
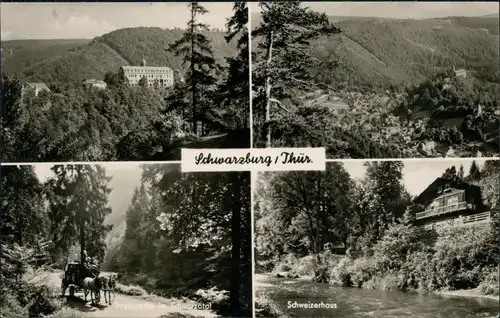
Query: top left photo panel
80	84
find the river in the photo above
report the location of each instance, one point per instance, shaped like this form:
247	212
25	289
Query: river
354	302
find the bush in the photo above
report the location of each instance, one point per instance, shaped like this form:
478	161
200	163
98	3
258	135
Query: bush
340	274
460	255
490	283
411	258
265	307
304	266
132	290
286	263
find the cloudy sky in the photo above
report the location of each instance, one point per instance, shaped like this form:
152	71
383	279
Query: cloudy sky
413	10
417	174
88	20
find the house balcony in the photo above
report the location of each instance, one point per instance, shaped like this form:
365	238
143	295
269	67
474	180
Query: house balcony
484	217
470	220
442	210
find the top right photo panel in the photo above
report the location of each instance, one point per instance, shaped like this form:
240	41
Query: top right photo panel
377	79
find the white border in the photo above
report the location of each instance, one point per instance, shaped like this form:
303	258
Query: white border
415	159
104	163
250	101
253	175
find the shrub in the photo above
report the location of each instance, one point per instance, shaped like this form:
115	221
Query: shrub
304	266
132	290
391	281
490	283
265	307
340	274
420	269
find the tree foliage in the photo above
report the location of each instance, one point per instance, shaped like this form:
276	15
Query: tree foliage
189	231
282	61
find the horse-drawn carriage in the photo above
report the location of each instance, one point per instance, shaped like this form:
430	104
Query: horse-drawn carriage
74	276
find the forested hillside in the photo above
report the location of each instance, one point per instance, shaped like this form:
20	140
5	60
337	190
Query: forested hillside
18	55
383	53
487	23
380	71
103	54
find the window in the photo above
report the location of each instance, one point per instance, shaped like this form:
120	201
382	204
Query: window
452	200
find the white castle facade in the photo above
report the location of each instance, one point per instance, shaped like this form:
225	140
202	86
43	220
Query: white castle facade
156	76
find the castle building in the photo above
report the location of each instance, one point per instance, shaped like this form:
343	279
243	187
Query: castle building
155	76
451	202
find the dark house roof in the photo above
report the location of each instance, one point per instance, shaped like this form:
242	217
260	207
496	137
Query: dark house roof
431	192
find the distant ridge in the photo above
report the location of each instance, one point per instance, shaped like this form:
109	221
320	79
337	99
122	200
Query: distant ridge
491	15
53	61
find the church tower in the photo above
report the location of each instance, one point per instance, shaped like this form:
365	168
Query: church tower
143	62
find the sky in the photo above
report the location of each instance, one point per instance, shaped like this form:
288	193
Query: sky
417	174
404	10
88	20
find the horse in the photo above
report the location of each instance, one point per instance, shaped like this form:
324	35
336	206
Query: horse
92	285
109	286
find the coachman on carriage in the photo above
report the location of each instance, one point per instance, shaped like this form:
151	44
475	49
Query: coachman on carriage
82	275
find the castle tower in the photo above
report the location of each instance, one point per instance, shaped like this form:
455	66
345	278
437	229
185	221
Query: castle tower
143	62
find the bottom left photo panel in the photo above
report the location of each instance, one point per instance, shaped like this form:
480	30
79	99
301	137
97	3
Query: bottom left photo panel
124	240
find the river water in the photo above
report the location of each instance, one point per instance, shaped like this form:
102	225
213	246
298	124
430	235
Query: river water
354	302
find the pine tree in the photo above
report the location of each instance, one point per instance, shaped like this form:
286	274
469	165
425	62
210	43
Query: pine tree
23	218
285	33
461	173
450	173
199	56
474	172
234	93
78	203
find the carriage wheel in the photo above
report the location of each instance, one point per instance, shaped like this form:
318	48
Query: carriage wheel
63	289
72	291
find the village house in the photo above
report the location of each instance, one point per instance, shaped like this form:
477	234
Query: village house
451	202
427	148
36	88
93	83
460	72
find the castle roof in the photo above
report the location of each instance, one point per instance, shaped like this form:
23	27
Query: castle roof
153	68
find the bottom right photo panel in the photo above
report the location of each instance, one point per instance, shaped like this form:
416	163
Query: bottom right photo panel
407	238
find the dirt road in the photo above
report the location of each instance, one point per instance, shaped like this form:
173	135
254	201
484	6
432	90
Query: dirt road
131	306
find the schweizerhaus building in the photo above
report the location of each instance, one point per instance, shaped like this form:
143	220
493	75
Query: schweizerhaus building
156	76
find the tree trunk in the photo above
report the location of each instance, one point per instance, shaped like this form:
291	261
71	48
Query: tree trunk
236	244
268	90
